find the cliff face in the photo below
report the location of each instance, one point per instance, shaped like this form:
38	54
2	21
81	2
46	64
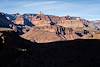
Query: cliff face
41	36
50	34
55	28
48	28
45	20
19	20
71	23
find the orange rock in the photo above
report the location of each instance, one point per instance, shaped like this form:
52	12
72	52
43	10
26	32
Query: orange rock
41	36
71	23
19	20
70	34
37	22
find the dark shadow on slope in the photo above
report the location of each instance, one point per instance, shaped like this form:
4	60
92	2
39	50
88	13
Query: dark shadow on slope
12	40
13	49
27	22
4	22
79	53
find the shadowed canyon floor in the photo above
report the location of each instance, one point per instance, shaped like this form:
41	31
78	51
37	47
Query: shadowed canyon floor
18	52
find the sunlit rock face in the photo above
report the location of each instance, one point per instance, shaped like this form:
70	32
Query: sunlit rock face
19	20
71	23
48	28
70	34
40	36
67	21
40	22
45	20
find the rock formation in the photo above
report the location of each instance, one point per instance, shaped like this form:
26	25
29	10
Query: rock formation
45	20
19	20
71	23
40	36
47	28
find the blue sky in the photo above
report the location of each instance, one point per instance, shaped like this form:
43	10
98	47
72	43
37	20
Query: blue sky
89	9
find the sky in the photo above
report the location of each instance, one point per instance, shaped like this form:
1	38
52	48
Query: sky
88	9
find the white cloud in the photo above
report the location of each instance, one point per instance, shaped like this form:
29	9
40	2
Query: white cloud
32	4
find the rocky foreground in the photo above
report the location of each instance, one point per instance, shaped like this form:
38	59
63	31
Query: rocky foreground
18	52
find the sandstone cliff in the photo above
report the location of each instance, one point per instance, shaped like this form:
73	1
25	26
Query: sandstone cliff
19	20
45	20
48	28
71	23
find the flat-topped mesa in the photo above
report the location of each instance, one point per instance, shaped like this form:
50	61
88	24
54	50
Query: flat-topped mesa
71	23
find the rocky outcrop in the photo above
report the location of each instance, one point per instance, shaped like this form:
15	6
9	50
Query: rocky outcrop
71	23
48	28
45	20
50	34
19	20
40	22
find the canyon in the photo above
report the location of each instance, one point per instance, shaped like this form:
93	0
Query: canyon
43	28
48	41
